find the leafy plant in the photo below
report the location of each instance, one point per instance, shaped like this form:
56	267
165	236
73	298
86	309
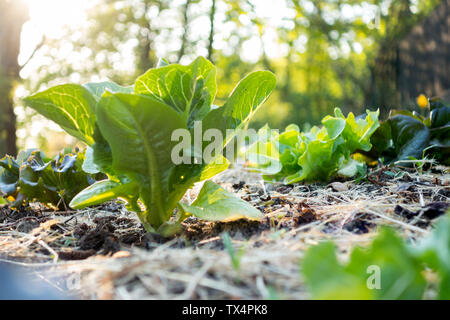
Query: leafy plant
434	251
400	266
34	177
318	154
128	131
216	204
409	135
235	255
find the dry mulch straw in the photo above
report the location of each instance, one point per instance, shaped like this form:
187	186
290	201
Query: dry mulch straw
107	250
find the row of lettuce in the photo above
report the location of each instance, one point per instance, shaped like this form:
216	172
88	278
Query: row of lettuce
128	133
344	145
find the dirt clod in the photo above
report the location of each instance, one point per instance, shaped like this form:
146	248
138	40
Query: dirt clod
435	209
305	214
284	189
360	224
430	211
70	254
239	186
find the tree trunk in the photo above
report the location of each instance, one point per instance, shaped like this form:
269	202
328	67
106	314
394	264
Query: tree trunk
144	52
13	14
286	89
186	29
211	30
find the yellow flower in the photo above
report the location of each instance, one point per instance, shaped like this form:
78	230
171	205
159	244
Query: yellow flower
363	158
422	101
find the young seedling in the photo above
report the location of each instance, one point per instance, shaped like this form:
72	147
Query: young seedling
235	255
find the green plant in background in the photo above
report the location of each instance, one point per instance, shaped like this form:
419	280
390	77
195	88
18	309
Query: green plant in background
34	177
235	255
401	267
409	135
128	132
434	251
318	154
342	145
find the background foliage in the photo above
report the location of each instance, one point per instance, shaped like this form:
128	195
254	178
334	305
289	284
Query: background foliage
325	53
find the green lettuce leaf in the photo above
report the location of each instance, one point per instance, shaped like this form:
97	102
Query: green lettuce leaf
319	153
399	272
33	177
355	132
327	279
71	106
104	190
405	135
264	154
9	176
190	90
216	204
409	136
319	161
434	250
244	101
98	88
138	129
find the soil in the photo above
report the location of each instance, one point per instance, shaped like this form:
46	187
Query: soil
295	216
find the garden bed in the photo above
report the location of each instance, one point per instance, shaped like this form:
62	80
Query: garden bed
107	246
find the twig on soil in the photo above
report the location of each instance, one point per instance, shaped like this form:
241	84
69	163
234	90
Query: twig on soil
187	294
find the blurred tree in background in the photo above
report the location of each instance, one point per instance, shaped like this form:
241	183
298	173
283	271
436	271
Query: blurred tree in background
12	16
325	53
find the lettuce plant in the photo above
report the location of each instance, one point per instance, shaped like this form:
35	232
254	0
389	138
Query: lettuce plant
128	132
401	272
405	135
318	154
400	265
34	177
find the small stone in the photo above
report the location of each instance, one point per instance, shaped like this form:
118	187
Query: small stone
339	186
121	254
